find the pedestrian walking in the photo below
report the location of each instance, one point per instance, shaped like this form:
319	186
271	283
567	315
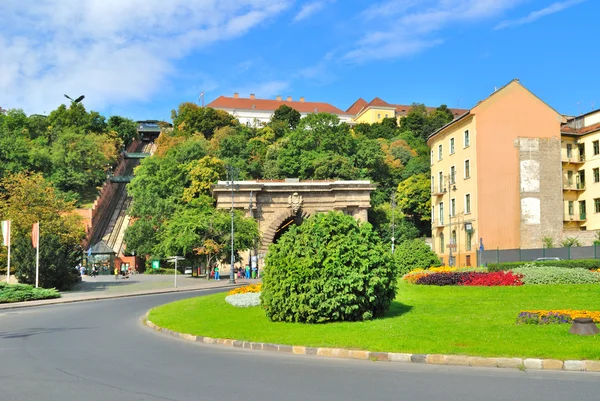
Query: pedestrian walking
253	271
247	272
217	273
116	273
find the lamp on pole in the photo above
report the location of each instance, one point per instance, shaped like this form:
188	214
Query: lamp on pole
393	219
79	99
231	173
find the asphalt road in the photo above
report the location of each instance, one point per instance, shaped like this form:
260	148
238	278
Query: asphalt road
100	351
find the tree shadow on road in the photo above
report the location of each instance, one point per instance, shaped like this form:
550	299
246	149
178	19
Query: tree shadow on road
91	286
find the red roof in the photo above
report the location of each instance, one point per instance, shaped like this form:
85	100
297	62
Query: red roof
580	131
357	106
240	103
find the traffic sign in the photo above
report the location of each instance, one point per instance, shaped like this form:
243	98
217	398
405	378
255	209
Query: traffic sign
156	264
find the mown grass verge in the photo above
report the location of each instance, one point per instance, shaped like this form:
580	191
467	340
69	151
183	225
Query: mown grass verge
478	321
23	292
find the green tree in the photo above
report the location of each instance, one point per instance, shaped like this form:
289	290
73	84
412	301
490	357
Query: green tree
125	128
330	268
190	119
414	197
29	198
414	254
287	115
203	173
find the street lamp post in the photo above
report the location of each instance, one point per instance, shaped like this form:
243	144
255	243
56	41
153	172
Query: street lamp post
393	220
231	172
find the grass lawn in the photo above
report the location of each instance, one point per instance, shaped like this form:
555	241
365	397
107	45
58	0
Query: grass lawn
478	321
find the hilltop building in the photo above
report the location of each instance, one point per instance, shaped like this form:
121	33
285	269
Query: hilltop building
254	111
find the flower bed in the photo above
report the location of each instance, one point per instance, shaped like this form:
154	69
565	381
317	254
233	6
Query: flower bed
555	316
416	274
244	300
556	275
246	289
471	279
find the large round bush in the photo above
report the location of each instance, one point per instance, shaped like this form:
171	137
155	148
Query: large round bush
331	268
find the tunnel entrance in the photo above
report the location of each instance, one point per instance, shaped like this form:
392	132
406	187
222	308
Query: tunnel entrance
285	225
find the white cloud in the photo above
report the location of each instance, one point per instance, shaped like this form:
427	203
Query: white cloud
309	9
535	15
113	51
405	27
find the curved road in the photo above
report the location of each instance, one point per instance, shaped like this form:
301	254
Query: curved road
100	351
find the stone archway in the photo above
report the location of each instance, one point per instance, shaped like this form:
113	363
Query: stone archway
272	202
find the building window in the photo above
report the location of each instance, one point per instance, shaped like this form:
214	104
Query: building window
571	208
433	213
452	175
597	175
467	139
596	148
451	145
468	241
453	207
597	205
569	150
453	238
467	168
432	184
570	178
441	211
432	157
441	181
442	245
440	153
467	203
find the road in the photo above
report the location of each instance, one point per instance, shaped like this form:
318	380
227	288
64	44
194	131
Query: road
100	351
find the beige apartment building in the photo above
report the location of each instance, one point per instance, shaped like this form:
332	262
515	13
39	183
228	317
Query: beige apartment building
497	177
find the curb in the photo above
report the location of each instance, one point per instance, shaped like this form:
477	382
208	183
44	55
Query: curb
56	301
432	359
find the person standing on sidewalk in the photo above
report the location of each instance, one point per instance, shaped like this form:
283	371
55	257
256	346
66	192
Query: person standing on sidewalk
217	273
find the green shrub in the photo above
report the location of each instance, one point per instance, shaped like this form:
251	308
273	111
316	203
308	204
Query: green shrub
331	268
572	264
160	270
556	275
25	292
57	262
414	254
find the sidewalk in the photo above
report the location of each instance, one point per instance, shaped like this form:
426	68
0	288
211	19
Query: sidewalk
107	287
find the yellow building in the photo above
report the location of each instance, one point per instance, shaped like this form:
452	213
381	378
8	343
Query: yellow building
496	176
580	154
376	110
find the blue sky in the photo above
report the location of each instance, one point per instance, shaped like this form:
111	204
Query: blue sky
141	58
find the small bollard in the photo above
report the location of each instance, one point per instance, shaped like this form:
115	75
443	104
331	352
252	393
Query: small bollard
584	326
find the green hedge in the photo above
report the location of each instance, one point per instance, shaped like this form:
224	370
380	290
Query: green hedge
571	264
556	275
24	292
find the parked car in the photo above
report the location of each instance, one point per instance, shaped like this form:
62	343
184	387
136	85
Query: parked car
188	270
547	258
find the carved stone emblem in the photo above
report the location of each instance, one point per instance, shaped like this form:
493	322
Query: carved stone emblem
295	202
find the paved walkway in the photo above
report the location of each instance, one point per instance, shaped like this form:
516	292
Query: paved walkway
106	287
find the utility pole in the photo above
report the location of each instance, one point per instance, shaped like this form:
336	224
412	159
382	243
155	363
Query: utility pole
393	219
231	172
250	251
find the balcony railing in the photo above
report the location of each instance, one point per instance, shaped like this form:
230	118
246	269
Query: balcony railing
575	217
579	186
573	158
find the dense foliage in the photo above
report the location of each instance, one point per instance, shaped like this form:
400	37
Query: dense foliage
70	147
26	199
331	268
414	254
24	292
